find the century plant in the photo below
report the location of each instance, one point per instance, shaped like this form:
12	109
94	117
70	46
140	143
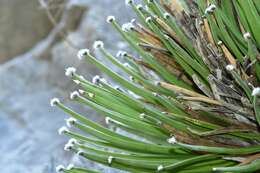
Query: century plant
191	103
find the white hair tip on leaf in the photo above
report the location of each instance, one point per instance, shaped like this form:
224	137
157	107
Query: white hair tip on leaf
98	44
210	9
212	6
157	83
111	19
73	141
110	160
82	53
133	21
54	102
155	94
74	95
172	140
60	168
107	120
160	168
70	167
230	67
142	115
70	71
139	7
76	82
166	37
68	147
166	15
121	54
70	121
62	130
126	65
220	42
129	2
127	27
82	92
82	77
131	78
247	35
148	19
80	153
96	79
256	91
91	95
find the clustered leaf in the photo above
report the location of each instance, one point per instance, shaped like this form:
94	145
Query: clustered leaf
192	102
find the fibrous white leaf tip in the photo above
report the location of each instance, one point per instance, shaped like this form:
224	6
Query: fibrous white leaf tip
82	53
59	168
220	43
82	92
91	95
160	168
81	77
68	147
126	65
133	21
107	120
96	79
172	140
128	2
139	6
76	82
71	121
131	78
62	130
80	152
127	27
247	35
166	15
142	115
54	102
148	19
230	67
256	91
155	94
70	71
110	19
74	95
98	44
70	166
210	8
73	141
121	54
157	83
110	159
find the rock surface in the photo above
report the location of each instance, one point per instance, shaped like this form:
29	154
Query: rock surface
28	125
17	36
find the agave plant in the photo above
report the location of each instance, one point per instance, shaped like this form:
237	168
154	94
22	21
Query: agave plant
191	103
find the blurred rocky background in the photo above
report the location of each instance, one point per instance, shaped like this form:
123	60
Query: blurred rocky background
38	40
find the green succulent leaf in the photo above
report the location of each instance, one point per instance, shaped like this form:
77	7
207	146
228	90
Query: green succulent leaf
191	103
